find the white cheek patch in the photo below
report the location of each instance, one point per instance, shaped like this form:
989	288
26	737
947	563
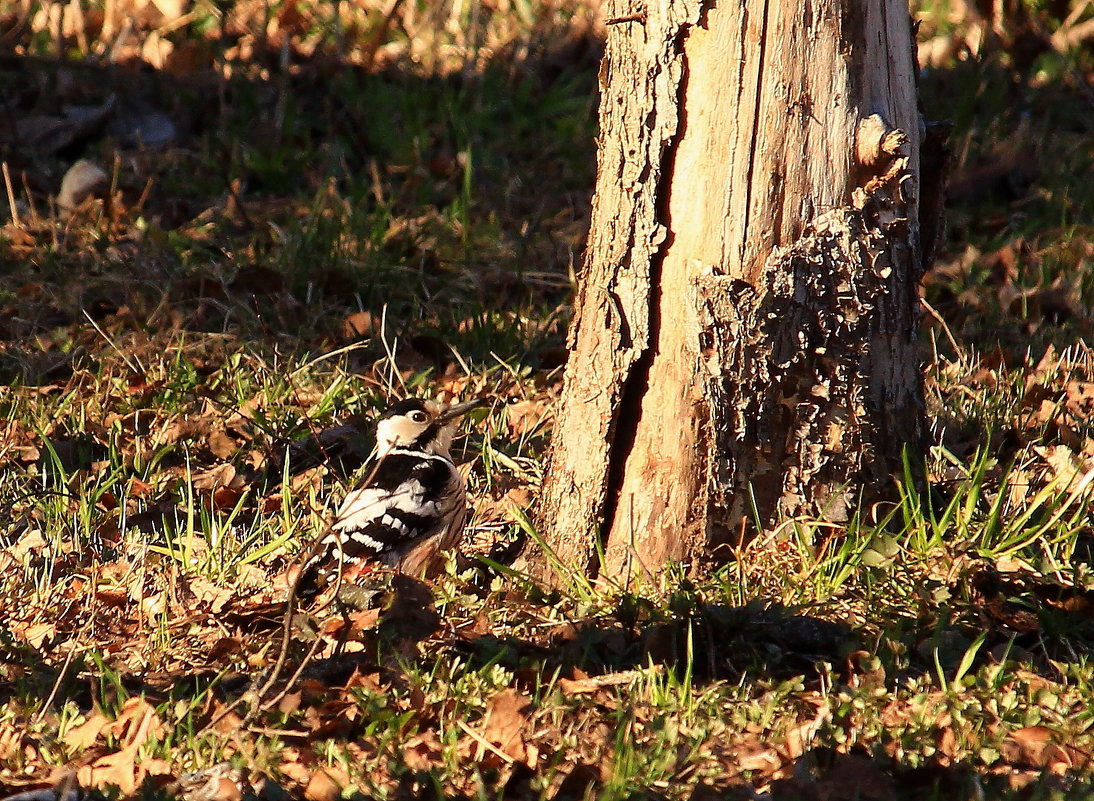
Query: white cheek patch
396	431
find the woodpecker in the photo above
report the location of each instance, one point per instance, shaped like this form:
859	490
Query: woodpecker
411	506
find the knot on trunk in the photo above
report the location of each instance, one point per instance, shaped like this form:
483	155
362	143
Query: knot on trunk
877	144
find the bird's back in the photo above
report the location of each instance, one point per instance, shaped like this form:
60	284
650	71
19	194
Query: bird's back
411	506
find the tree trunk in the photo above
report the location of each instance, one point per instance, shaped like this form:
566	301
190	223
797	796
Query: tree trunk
744	337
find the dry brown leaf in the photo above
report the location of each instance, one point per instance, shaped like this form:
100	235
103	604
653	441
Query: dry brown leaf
521	497
584	684
1027	746
35	633
507	716
225	498
296	771
364	620
82	737
182	428
117	770
1021	779
1015	564
302	482
220	444
370	681
223	475
1019	488
1080	396
139	489
251	576
422	752
1067	466
139	722
1036	747
225	647
31	541
758	757
80	181
112	596
219	782
800	738
226	723
326	784
155	604
524	417
212	596
156	50
136	722
947	742
360	325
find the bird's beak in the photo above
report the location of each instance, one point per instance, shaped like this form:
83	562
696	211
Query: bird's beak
454	411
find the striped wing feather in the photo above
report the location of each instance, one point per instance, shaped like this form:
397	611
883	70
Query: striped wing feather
409	503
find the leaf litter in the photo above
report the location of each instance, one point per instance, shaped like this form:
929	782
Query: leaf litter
170	441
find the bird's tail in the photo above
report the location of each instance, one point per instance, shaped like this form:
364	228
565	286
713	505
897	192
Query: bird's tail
312	579
309	585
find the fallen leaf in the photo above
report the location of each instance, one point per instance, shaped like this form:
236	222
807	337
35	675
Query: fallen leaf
35	633
82	737
800	738
1067	466
326	784
758	757
223	475
139	722
524	417
422	752
31	541
360	325
220	444
1027	746
507	716
212	596
295	771
220	782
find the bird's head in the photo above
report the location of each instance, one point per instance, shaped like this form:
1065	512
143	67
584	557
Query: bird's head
420	424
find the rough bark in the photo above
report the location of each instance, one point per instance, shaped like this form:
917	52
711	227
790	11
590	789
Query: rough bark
743	341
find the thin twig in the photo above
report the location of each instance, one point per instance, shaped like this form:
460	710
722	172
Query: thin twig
138	369
283	650
639	17
61	675
390	353
276	699
330	355
484	742
949	335
11	195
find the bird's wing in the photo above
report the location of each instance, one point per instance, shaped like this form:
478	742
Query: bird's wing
406	500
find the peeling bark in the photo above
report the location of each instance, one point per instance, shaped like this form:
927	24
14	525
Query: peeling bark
746	315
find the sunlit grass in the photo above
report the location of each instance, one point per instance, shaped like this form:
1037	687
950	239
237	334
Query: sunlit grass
333	236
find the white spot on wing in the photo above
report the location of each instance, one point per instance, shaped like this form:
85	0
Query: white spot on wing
395	523
366	540
363	503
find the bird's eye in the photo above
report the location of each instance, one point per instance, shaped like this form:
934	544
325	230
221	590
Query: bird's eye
418	417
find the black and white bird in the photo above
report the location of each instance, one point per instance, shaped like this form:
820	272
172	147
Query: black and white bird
411	506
